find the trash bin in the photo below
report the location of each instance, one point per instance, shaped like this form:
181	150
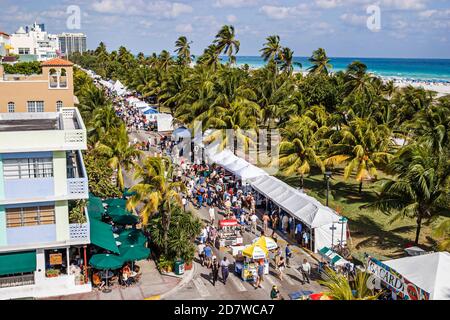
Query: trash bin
179	267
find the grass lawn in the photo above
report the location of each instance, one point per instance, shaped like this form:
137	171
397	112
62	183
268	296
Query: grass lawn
371	231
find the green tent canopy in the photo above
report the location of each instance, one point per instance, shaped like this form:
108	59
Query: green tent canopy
126	219
95	208
102	236
128	193
134	252
106	261
17	262
113	202
117	211
332	256
131	237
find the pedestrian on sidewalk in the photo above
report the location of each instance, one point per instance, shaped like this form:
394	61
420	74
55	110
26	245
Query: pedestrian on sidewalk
215	270
275	293
281	267
208	255
259	275
253	219
212	215
225	272
298	233
201	253
266	220
184	202
306	271
288	253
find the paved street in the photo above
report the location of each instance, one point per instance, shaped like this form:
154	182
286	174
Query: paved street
201	288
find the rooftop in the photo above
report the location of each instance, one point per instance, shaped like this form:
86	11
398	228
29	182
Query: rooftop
28	125
57	62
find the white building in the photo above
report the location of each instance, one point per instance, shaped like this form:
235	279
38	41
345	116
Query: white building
4	43
35	42
70	43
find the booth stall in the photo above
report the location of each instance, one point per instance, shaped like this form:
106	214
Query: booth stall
164	122
326	226
229	233
246	264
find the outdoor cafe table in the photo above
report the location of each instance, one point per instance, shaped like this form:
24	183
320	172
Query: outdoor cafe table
106	274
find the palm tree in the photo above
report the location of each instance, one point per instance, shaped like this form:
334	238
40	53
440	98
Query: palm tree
287	63
156	192
183	50
362	145
299	150
271	49
210	58
91	98
320	62
340	288
121	156
103	121
359	82
419	188
226	42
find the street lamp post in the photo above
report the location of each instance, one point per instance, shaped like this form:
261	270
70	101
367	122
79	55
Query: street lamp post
327	176
332	228
342	221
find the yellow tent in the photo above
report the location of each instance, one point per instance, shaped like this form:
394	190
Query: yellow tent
255	251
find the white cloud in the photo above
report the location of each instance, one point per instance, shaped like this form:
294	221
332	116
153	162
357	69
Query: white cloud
353	19
235	3
160	8
231	18
145	23
435	14
328	4
184	28
405	4
282	12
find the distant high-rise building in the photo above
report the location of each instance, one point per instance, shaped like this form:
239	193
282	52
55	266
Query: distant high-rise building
70	43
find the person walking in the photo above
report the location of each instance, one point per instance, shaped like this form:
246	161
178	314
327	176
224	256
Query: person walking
260	275
305	270
266	220
184	203
211	215
215	270
201	253
208	255
281	266
288	253
253	219
225	272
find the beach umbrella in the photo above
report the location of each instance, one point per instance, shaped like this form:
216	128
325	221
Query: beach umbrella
106	262
116	202
134	252
117	211
268	242
255	252
126	219
132	237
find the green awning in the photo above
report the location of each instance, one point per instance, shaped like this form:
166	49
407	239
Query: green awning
117	211
95	208
116	202
102	236
17	262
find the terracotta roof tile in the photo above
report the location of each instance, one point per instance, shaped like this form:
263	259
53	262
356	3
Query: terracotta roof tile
57	62
3	33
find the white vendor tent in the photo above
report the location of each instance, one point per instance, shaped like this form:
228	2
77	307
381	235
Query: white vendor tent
164	122
430	272
141	105
181	133
305	208
132	100
106	84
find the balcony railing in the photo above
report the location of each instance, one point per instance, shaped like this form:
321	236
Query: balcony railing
43	131
77	181
15	281
80	232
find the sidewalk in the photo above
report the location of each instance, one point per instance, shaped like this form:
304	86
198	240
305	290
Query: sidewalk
152	285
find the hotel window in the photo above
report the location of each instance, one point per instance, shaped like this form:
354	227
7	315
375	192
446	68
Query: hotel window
30	216
59	105
63	79
53	77
11	107
28	168
24	50
35	106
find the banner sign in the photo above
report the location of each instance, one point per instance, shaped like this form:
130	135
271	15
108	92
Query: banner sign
55	259
405	289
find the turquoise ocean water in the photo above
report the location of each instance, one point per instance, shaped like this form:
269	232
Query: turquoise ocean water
417	69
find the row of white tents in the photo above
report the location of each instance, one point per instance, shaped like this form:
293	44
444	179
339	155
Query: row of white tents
329	227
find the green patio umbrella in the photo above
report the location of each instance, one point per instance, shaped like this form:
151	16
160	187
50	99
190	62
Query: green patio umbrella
134	252
126	219
132	237
116	202
95	207
128	193
117	211
106	262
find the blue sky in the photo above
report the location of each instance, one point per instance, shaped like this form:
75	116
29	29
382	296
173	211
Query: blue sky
409	28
